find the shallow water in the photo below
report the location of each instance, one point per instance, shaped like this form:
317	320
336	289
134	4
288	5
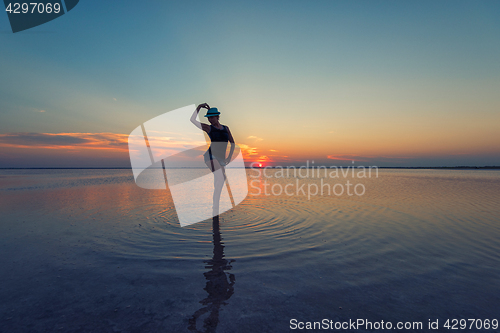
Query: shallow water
88	250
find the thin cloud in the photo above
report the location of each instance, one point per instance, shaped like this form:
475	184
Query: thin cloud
357	158
253	137
347	158
247	150
253	153
65	140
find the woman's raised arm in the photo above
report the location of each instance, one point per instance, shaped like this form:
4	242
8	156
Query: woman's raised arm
194	117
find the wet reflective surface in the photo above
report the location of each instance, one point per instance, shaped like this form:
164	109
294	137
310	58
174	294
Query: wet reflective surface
87	250
220	285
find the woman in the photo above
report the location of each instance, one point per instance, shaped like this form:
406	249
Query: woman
215	156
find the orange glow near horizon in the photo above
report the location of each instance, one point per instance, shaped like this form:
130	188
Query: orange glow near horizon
264	152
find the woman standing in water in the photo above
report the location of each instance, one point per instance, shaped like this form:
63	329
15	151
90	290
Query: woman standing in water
215	156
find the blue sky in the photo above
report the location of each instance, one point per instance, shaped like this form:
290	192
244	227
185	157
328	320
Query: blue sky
390	82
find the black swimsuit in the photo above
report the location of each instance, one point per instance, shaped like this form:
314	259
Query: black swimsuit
217	151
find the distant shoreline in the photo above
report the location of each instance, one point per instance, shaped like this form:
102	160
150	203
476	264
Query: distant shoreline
271	167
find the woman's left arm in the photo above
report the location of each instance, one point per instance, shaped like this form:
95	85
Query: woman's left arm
231	140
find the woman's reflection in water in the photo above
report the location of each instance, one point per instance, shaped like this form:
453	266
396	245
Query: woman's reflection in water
220	287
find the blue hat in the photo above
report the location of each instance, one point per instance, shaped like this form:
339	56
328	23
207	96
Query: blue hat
212	112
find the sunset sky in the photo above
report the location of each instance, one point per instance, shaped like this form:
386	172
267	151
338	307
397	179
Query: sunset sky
387	83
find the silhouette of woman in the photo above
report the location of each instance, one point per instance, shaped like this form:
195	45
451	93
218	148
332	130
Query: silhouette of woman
215	156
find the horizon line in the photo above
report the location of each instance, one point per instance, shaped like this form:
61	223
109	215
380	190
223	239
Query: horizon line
269	167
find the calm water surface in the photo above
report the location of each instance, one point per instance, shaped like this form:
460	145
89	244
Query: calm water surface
87	250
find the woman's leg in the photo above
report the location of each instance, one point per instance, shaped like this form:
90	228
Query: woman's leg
219	178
